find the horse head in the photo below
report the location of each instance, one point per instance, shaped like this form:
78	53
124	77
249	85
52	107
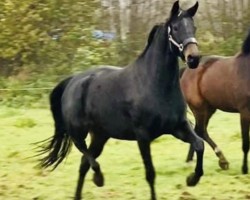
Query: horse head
181	34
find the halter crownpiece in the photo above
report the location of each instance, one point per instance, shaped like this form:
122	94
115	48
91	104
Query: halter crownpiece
181	45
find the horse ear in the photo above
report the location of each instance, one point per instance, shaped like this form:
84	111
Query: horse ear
191	11
175	9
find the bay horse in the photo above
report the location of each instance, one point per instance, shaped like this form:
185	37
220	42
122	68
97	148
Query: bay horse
220	83
141	102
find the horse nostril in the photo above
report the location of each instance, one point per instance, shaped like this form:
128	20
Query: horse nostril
193	61
192	58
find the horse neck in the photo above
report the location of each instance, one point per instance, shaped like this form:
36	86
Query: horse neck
159	65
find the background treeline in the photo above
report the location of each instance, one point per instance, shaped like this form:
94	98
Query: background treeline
43	41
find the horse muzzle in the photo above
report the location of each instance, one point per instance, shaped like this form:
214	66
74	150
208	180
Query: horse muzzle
192	55
193	61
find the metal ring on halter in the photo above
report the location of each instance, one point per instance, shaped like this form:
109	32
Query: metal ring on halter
181	47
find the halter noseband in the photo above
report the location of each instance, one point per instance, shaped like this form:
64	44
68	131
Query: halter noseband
181	45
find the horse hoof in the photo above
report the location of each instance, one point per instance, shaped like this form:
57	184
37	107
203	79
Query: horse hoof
77	198
192	179
224	164
98	179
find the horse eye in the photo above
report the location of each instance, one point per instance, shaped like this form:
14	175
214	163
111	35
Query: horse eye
175	28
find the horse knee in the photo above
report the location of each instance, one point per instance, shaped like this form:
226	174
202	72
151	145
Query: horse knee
84	167
198	144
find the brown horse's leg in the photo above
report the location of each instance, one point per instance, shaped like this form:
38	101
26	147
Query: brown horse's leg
245	141
223	163
202	120
95	149
199	130
190	155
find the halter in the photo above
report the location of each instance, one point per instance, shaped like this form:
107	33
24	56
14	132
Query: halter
180	46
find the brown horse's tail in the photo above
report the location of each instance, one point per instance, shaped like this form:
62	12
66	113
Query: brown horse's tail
58	146
181	71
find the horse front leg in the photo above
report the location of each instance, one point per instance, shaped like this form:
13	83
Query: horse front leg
186	133
144	146
245	141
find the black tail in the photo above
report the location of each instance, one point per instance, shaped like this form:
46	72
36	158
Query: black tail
60	144
181	71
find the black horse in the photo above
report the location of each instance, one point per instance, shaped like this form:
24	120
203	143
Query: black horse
139	102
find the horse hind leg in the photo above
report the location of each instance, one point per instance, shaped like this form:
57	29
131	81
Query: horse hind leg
78	135
202	121
84	168
245	141
95	149
223	163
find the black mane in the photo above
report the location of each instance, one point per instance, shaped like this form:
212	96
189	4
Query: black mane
150	38
246	45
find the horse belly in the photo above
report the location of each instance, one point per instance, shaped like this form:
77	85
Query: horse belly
116	128
223	105
162	117
108	118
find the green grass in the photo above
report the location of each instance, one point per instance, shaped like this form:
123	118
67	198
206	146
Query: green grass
120	162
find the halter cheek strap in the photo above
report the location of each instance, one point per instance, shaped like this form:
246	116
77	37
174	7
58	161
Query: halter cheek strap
180	46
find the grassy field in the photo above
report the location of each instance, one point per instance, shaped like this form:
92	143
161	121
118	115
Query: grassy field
20	179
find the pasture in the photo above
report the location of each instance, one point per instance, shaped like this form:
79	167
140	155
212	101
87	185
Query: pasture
121	163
